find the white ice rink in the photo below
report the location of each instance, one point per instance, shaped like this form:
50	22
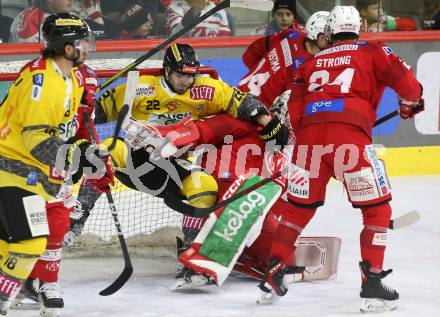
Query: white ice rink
412	252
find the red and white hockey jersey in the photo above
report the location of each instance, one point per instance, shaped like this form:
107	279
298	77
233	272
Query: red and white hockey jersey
278	69
345	82
216	25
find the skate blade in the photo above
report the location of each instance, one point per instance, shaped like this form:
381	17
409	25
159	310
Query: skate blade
375	305
50	312
24	303
196	281
265	298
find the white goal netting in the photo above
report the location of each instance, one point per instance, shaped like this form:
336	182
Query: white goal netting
148	225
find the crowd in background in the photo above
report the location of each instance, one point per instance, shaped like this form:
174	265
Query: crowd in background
143	19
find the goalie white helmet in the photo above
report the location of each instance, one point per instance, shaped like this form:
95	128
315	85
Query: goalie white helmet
316	24
343	19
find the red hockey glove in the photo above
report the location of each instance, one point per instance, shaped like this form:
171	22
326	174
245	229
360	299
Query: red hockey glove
103	183
90	84
408	109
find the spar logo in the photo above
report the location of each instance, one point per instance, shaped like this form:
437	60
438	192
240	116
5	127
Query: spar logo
237	217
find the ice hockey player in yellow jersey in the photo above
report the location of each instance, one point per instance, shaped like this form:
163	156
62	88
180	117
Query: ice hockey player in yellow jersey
37	121
162	100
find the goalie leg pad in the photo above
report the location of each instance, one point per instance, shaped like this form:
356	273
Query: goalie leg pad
226	232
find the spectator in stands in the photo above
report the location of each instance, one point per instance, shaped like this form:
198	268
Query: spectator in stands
90	11
284	16
26	27
137	23
5	26
180	13
374	19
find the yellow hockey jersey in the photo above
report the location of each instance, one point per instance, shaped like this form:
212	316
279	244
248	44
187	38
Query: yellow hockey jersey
36	117
157	104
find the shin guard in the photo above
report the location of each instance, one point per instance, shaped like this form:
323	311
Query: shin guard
373	237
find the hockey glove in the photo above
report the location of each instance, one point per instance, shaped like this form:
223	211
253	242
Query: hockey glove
275	130
90	84
407	109
101	182
81	154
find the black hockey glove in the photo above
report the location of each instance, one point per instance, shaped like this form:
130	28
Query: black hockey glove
275	130
81	154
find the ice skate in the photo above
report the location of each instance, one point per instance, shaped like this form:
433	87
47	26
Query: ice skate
51	301
375	296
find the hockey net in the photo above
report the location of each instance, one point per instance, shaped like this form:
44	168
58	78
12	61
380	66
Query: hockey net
148	225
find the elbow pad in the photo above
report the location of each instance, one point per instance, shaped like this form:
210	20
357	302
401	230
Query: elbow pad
250	108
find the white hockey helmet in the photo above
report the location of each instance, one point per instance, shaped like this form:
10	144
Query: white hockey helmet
316	24
343	19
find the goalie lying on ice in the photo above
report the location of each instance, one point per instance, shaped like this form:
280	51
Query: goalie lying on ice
238	237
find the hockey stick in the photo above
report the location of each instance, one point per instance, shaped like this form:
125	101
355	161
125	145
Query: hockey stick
260	5
128	266
178	205
405	220
392	115
386	118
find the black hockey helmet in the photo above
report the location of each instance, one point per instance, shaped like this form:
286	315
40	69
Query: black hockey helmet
64	28
182	59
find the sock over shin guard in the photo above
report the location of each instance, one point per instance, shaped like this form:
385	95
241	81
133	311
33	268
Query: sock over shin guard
292	222
373	237
47	267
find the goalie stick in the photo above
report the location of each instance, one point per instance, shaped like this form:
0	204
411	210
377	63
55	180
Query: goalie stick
260	5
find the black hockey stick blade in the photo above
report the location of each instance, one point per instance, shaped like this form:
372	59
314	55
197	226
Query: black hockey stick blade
119	282
405	220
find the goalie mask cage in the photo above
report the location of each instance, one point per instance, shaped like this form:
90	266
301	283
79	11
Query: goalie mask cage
150	227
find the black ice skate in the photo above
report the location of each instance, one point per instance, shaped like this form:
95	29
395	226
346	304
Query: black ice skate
28	296
51	300
375	296
273	282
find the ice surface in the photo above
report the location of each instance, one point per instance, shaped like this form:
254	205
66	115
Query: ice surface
413	253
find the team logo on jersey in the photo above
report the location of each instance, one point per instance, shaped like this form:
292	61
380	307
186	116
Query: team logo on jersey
293	35
167	118
298	184
32	179
361	185
202	92
38	79
388	50
172	105
37	86
336	105
378	171
297	62
67	129
145	90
